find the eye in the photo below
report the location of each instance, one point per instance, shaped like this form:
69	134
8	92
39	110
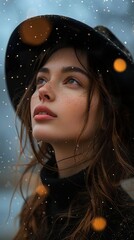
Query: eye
73	81
40	81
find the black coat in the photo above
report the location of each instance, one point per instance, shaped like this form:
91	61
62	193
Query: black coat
120	220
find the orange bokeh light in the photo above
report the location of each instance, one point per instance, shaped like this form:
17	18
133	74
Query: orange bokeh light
35	31
120	65
41	190
99	223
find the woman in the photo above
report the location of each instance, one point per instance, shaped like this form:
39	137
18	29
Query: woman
72	88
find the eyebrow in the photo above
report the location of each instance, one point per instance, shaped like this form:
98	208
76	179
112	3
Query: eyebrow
66	69
74	69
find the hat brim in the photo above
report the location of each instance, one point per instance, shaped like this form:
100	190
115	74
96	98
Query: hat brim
36	34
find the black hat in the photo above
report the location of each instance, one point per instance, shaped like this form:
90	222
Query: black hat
36	34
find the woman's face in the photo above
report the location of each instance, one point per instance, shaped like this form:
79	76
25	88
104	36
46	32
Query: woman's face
59	103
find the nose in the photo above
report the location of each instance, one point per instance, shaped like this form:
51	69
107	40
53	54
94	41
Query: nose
46	92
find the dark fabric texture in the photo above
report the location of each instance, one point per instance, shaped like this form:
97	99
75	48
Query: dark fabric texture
66	191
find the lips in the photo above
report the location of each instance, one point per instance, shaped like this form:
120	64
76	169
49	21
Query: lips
43	111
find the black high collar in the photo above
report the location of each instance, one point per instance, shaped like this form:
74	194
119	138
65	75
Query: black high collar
63	190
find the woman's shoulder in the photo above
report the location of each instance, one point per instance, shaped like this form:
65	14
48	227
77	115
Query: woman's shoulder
122	229
119	219
124	224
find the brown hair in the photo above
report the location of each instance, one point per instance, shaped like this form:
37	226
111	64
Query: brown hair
111	158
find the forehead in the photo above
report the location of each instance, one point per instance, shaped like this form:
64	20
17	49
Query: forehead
67	55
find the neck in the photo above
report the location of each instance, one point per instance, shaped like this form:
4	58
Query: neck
70	158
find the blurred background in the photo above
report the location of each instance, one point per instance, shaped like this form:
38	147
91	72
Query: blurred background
117	15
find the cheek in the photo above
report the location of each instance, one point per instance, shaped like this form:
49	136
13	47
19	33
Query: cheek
33	102
75	113
31	105
93	118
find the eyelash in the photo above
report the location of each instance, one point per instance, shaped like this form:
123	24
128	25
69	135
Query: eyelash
40	81
72	78
38	84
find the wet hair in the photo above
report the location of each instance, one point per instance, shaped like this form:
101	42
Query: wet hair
112	154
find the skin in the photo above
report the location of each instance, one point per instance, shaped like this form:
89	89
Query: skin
62	86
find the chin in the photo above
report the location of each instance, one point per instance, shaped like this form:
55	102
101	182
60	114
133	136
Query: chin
40	136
